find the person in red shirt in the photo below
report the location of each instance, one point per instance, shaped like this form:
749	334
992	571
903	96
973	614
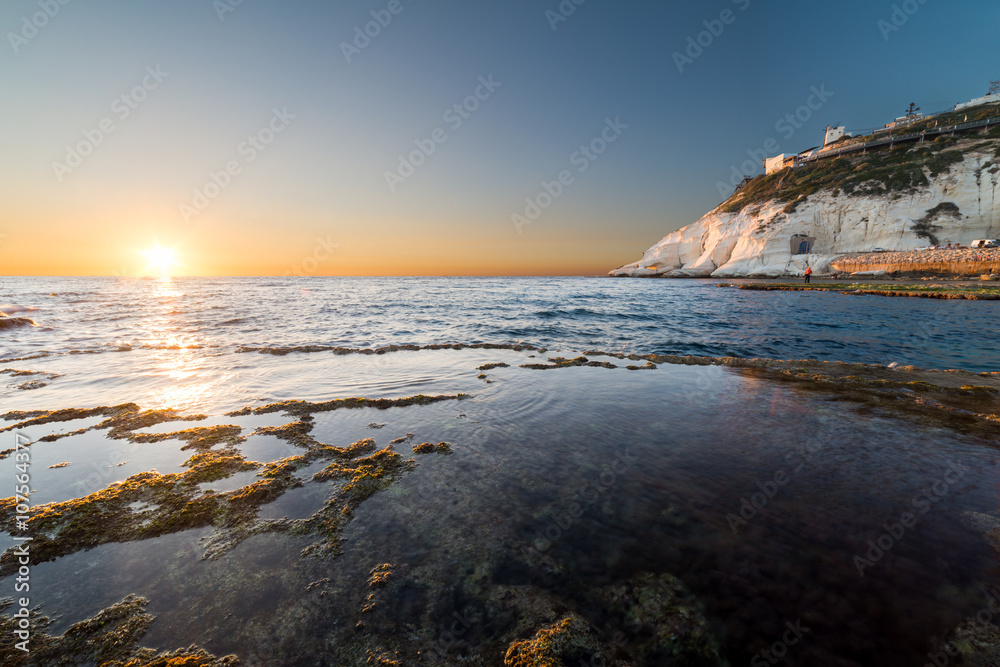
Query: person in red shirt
809	273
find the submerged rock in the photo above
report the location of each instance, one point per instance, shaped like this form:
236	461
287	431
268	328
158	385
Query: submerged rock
430	448
567	642
111	639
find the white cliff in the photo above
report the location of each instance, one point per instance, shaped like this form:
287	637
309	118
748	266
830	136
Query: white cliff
757	241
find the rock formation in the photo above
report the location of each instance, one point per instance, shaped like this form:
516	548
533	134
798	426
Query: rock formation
903	198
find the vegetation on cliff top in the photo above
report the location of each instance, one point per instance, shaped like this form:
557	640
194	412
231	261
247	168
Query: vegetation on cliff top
896	171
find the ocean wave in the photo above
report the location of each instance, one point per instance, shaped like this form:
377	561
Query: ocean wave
10	308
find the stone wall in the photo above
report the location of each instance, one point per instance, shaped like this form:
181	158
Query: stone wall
945	262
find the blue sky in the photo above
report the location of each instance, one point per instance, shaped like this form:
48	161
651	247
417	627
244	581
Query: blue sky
555	85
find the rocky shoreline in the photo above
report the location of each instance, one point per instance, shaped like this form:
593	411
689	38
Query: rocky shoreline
941	263
931	291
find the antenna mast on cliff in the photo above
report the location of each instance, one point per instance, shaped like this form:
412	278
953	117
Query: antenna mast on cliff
995	88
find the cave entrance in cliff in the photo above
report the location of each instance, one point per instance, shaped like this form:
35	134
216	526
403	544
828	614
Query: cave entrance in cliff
802	245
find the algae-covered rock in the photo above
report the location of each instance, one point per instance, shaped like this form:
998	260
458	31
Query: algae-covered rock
569	641
562	362
978	644
109	639
665	621
430	448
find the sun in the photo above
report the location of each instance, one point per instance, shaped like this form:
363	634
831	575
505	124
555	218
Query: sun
160	259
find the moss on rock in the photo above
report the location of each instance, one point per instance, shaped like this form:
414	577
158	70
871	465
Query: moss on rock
111	639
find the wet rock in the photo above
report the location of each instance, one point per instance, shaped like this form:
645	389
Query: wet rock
110	639
489	367
569	641
430	448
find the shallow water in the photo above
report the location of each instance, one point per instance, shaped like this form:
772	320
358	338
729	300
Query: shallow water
562	485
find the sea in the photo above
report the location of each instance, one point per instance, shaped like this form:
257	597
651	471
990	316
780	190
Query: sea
679	514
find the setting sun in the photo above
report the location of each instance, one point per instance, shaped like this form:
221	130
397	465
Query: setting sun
160	260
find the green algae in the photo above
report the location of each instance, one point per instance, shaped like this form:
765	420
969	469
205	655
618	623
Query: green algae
362	472
196	438
668	617
296	433
171	503
650	366
561	362
566	642
120	420
312	349
363	478
431	448
489	367
110	639
39	417
978	644
301	408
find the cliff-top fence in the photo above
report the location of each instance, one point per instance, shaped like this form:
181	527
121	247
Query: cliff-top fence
891	140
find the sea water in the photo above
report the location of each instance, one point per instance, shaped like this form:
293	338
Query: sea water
763	498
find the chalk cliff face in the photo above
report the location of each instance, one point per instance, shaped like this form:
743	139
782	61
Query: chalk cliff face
757	241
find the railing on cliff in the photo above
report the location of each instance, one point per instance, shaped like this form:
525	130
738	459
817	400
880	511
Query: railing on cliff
900	138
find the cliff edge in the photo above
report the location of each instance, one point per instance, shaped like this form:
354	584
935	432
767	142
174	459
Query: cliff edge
900	198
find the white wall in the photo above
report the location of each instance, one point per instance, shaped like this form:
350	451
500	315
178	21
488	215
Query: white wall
834	134
975	103
773	164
